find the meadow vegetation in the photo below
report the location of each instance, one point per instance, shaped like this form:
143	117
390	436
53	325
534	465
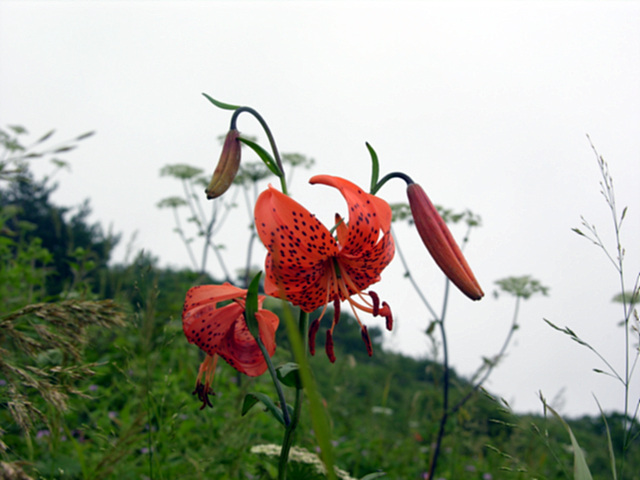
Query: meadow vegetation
96	376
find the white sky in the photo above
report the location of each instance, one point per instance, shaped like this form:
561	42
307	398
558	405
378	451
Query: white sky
486	104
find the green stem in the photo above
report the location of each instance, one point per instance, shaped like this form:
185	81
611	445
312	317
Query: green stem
272	141
388	177
276	382
287	442
445	384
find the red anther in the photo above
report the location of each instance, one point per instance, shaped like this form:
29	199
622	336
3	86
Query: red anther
386	313
376	303
367	340
313	330
336	312
203	392
328	346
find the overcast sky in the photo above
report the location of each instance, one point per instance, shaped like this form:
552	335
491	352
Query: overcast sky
486	104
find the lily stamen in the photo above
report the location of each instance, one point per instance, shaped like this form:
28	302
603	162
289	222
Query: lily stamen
208	370
310	267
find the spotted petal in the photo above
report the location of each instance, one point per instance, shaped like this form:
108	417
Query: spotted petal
241	350
369	216
364	253
203	323
364	270
300	250
223	331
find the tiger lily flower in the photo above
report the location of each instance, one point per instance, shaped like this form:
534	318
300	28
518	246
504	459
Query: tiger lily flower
222	331
310	268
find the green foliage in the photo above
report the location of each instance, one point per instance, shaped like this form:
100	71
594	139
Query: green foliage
78	250
96	388
15	155
580	468
142	421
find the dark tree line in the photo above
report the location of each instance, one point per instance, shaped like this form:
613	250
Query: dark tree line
74	242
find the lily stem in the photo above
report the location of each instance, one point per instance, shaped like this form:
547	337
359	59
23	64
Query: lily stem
272	141
290	429
276	383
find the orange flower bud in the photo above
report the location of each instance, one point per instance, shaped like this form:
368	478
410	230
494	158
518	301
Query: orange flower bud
227	167
438	239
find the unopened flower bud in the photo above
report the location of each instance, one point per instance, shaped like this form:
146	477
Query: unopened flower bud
227	167
438	239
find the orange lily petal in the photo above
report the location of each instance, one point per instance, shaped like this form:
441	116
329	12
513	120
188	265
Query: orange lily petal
299	247
206	294
223	331
206	325
241	350
368	214
309	268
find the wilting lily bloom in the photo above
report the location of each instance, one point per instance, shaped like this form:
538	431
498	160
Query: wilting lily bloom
438	239
222	330
227	167
310	268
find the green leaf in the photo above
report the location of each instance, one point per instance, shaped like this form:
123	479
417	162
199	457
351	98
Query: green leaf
374	475
46	136
289	374
60	163
252	307
580	467
253	398
224	106
264	156
18	129
612	456
317	410
85	135
64	149
375	166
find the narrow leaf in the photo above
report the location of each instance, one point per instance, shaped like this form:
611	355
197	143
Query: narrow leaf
64	149
612	456
555	327
374	475
252	307
580	467
375	166
85	135
317	411
46	136
253	398
289	374
264	156
224	106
